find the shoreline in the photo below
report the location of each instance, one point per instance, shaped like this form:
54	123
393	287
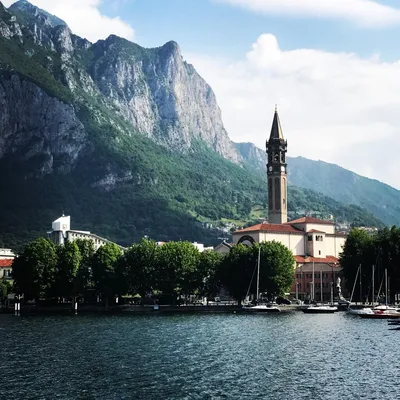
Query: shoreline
66	309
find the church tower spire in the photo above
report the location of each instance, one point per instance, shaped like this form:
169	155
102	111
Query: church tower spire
276	173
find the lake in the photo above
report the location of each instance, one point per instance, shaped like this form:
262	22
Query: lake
201	356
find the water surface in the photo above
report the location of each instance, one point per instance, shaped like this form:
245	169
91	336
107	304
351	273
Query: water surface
220	356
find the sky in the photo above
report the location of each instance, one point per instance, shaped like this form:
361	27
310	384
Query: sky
331	66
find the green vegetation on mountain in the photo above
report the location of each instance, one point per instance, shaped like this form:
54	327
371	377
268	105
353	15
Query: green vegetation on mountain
344	186
347	187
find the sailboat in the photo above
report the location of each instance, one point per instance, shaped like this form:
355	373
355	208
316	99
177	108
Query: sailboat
259	308
383	311
318	308
364	310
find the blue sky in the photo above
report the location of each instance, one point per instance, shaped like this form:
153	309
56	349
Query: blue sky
332	66
206	26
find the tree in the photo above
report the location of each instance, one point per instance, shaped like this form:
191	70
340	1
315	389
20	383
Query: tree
207	274
276	268
177	265
5	288
137	268
104	263
239	269
360	248
84	278
33	269
66	270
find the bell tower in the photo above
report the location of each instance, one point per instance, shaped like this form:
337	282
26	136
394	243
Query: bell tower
276	173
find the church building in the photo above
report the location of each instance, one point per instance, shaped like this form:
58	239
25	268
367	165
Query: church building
313	242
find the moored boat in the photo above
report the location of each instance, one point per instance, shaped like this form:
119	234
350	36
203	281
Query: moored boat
382	314
320	309
261	308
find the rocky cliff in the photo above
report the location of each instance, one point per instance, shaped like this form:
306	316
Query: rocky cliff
153	90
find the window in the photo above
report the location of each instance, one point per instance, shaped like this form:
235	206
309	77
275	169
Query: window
310	238
319	238
319	252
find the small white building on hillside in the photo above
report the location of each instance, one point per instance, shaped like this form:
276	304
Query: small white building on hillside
61	232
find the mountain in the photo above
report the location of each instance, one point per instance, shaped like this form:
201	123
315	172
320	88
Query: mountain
129	141
336	182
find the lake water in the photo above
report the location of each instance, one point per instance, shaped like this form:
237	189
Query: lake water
207	356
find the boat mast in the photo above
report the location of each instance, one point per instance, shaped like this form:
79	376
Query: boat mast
354	284
313	282
361	296
373	285
386	287
320	280
258	273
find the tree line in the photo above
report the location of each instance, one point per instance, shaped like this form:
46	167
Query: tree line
175	270
376	252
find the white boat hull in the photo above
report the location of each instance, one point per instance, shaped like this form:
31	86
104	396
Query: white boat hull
262	308
319	310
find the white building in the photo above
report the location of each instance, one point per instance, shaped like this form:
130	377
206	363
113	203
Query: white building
306	237
62	232
6	260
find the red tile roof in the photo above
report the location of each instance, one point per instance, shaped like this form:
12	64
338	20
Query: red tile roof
315	231
278	228
307	259
310	220
6	262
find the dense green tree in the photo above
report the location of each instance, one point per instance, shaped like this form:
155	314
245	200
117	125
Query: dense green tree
276	267
66	270
137	268
239	269
379	252
33	269
5	288
177	266
84	279
207	274
104	264
359	250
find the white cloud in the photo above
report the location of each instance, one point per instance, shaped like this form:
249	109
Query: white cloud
367	13
84	18
336	107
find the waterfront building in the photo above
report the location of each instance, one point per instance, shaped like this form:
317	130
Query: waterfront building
6	260
61	232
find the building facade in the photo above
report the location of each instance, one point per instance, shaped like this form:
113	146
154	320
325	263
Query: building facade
61	232
6	260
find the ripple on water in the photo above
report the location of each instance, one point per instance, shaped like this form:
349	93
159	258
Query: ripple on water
288	356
